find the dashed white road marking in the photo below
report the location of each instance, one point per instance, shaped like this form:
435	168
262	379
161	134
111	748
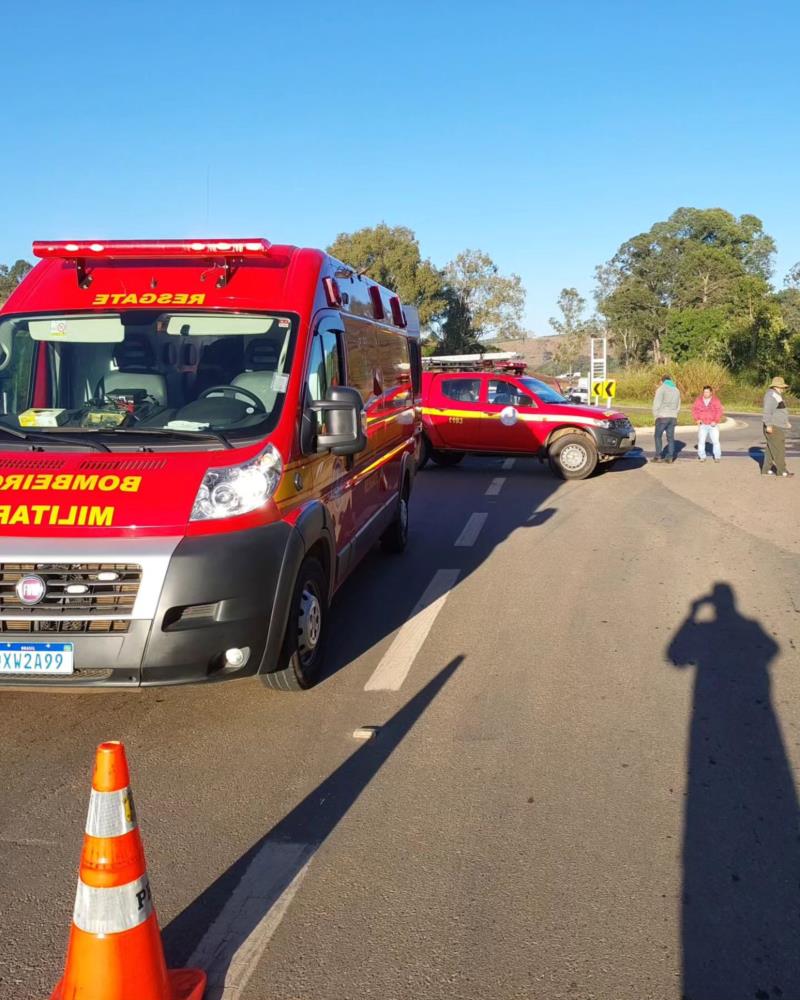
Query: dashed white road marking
471	530
232	946
495	486
508	464
399	657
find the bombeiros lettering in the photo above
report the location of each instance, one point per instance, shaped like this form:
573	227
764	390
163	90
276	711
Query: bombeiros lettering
149	299
77	483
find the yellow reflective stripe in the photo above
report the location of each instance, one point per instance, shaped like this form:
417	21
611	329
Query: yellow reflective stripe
435	411
381	461
111	814
529	418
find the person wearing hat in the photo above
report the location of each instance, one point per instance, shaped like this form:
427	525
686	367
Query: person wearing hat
776	424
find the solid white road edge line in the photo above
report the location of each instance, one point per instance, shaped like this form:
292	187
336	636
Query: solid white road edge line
471	530
508	464
233	945
399	657
495	486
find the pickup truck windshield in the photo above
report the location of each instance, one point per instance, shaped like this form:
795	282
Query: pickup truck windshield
546	393
153	375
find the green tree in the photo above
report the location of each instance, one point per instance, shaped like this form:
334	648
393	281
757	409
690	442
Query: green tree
697	259
391	256
457	334
573	330
11	276
481	299
696	333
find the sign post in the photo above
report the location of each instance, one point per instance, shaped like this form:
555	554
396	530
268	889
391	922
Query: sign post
598	363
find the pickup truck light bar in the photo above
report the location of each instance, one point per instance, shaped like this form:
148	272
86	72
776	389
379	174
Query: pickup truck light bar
153	249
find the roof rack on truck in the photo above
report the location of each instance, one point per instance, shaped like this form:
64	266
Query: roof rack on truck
507	361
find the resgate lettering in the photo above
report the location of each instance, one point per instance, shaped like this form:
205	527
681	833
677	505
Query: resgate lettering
149	299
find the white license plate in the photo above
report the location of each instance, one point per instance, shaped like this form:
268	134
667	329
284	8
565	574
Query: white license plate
36	657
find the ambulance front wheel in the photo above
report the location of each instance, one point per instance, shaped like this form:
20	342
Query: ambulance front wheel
395	538
303	650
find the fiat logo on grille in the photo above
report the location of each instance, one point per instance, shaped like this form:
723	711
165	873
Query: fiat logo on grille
31	589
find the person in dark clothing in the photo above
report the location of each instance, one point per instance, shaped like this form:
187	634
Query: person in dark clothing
776	424
666	406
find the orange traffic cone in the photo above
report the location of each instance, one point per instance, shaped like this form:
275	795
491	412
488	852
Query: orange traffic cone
115	950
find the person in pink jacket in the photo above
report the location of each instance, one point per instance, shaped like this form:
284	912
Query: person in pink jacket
707	412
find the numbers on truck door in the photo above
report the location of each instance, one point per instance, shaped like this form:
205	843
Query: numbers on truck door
455	420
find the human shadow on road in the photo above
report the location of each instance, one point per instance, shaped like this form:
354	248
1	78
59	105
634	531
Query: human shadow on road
275	860
740	916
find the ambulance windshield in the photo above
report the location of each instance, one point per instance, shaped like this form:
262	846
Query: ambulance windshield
165	375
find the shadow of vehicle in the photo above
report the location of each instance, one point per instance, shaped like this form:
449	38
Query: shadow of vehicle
384	591
275	861
740	911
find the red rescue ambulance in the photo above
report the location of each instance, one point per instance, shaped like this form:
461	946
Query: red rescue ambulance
199	440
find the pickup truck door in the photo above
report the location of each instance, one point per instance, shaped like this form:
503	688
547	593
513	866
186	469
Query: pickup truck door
512	424
455	412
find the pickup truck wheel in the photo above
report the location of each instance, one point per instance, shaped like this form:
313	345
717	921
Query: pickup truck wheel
303	648
573	456
446	459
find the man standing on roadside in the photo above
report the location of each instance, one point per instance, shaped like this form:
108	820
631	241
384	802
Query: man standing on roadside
776	424
666	406
707	413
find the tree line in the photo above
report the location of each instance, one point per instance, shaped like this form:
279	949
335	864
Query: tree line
695	286
460	305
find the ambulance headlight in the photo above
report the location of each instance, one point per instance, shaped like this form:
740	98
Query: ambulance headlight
238	489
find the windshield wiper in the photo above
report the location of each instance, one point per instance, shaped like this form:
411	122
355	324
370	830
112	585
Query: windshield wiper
54	437
209	435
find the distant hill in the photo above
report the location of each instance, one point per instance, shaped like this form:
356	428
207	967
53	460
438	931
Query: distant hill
537	351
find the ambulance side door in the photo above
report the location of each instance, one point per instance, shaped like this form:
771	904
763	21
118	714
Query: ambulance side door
326	475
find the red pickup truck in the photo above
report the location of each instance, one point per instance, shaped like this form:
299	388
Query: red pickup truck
484	412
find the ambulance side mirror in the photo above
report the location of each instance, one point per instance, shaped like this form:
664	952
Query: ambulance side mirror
340	414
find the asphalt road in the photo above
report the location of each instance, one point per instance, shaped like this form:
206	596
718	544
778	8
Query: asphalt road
583	783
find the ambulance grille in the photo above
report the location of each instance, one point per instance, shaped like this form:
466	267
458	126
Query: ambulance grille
107	589
122	465
65	625
31	465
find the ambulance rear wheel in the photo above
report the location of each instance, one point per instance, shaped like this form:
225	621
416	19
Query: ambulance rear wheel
573	456
446	459
303	648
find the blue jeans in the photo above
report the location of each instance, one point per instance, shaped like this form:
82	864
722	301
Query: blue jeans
667	424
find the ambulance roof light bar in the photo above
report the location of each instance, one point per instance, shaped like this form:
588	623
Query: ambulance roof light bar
151	249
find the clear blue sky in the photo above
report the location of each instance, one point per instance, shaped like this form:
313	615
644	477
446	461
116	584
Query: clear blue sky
544	133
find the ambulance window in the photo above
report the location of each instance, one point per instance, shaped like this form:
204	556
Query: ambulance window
395	369
465	390
361	358
324	369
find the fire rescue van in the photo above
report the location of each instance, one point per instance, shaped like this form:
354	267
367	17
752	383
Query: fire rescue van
198	442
